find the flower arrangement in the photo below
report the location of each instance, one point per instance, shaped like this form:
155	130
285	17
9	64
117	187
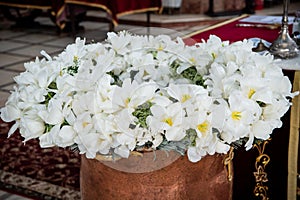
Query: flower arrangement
136	93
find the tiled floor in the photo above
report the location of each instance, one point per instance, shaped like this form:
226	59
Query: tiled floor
19	45
7	196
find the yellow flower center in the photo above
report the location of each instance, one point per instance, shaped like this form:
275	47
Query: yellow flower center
203	127
192	60
236	115
84	124
185	97
214	55
250	93
160	48
169	121
75	59
127	101
146	73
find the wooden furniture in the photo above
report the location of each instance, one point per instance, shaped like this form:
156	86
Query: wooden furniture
63	10
55	8
116	8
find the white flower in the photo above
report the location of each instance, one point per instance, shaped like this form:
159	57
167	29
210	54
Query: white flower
195	154
31	127
257	90
185	93
122	151
206	141
126	134
135	92
53	114
83	103
62	137
142	64
169	120
94	134
131	94
119	43
275	111
223	79
281	86
92	143
48	139
94	69
240	114
261	130
10	113
191	97
194	57
73	53
65	137
103	96
83	123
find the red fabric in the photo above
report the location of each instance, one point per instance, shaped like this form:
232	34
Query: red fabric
233	33
120	7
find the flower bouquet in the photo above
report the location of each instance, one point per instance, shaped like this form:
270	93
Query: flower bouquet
146	93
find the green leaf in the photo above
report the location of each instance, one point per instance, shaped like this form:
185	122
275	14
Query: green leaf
141	113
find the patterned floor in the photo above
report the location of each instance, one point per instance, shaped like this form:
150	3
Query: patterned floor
40	173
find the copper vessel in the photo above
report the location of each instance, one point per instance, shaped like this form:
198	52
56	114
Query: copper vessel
175	180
